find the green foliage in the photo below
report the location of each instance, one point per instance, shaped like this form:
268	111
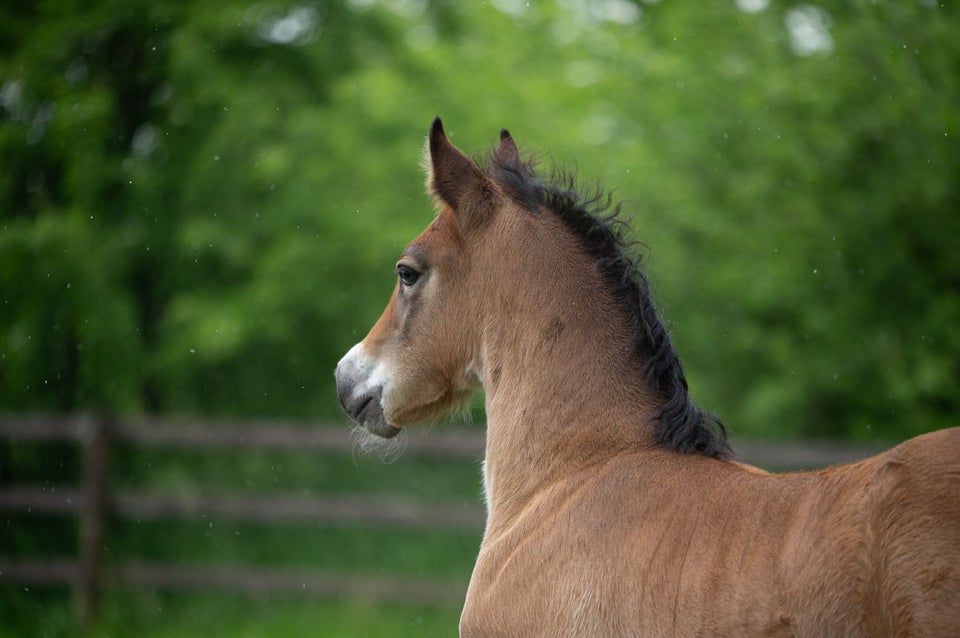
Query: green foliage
201	203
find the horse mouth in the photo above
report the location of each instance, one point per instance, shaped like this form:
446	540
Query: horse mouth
382	429
370	416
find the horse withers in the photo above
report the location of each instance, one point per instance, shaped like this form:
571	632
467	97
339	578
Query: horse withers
614	507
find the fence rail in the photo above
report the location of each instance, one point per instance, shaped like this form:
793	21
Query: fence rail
268	508
258	582
228	434
93	500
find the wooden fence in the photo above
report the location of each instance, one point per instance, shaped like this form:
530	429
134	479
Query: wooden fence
94	499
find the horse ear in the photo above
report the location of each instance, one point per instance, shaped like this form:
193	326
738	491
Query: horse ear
454	178
507	154
508	169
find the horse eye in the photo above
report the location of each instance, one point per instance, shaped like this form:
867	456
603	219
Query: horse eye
408	276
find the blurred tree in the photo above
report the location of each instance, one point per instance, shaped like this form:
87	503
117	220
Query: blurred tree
822	296
147	261
200	203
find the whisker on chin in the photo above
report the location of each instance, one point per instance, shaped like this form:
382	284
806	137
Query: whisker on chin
366	443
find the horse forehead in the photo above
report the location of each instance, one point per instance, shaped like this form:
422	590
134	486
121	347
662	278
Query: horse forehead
441	234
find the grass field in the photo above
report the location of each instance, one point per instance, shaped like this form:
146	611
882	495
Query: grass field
151	614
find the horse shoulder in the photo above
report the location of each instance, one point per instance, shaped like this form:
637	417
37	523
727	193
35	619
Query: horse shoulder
620	552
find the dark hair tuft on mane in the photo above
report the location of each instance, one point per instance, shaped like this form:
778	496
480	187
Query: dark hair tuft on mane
681	425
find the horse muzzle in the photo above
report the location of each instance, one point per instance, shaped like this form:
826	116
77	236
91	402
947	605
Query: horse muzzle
361	395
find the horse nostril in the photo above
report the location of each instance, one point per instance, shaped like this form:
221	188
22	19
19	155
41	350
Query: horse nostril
353	404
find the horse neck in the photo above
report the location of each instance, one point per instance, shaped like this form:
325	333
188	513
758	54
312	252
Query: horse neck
561	390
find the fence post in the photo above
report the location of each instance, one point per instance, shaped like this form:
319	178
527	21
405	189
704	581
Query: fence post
95	438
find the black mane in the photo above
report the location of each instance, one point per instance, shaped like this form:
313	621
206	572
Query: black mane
681	425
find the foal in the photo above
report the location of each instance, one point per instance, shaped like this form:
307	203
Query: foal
613	507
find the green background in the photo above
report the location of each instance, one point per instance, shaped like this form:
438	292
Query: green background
201	202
